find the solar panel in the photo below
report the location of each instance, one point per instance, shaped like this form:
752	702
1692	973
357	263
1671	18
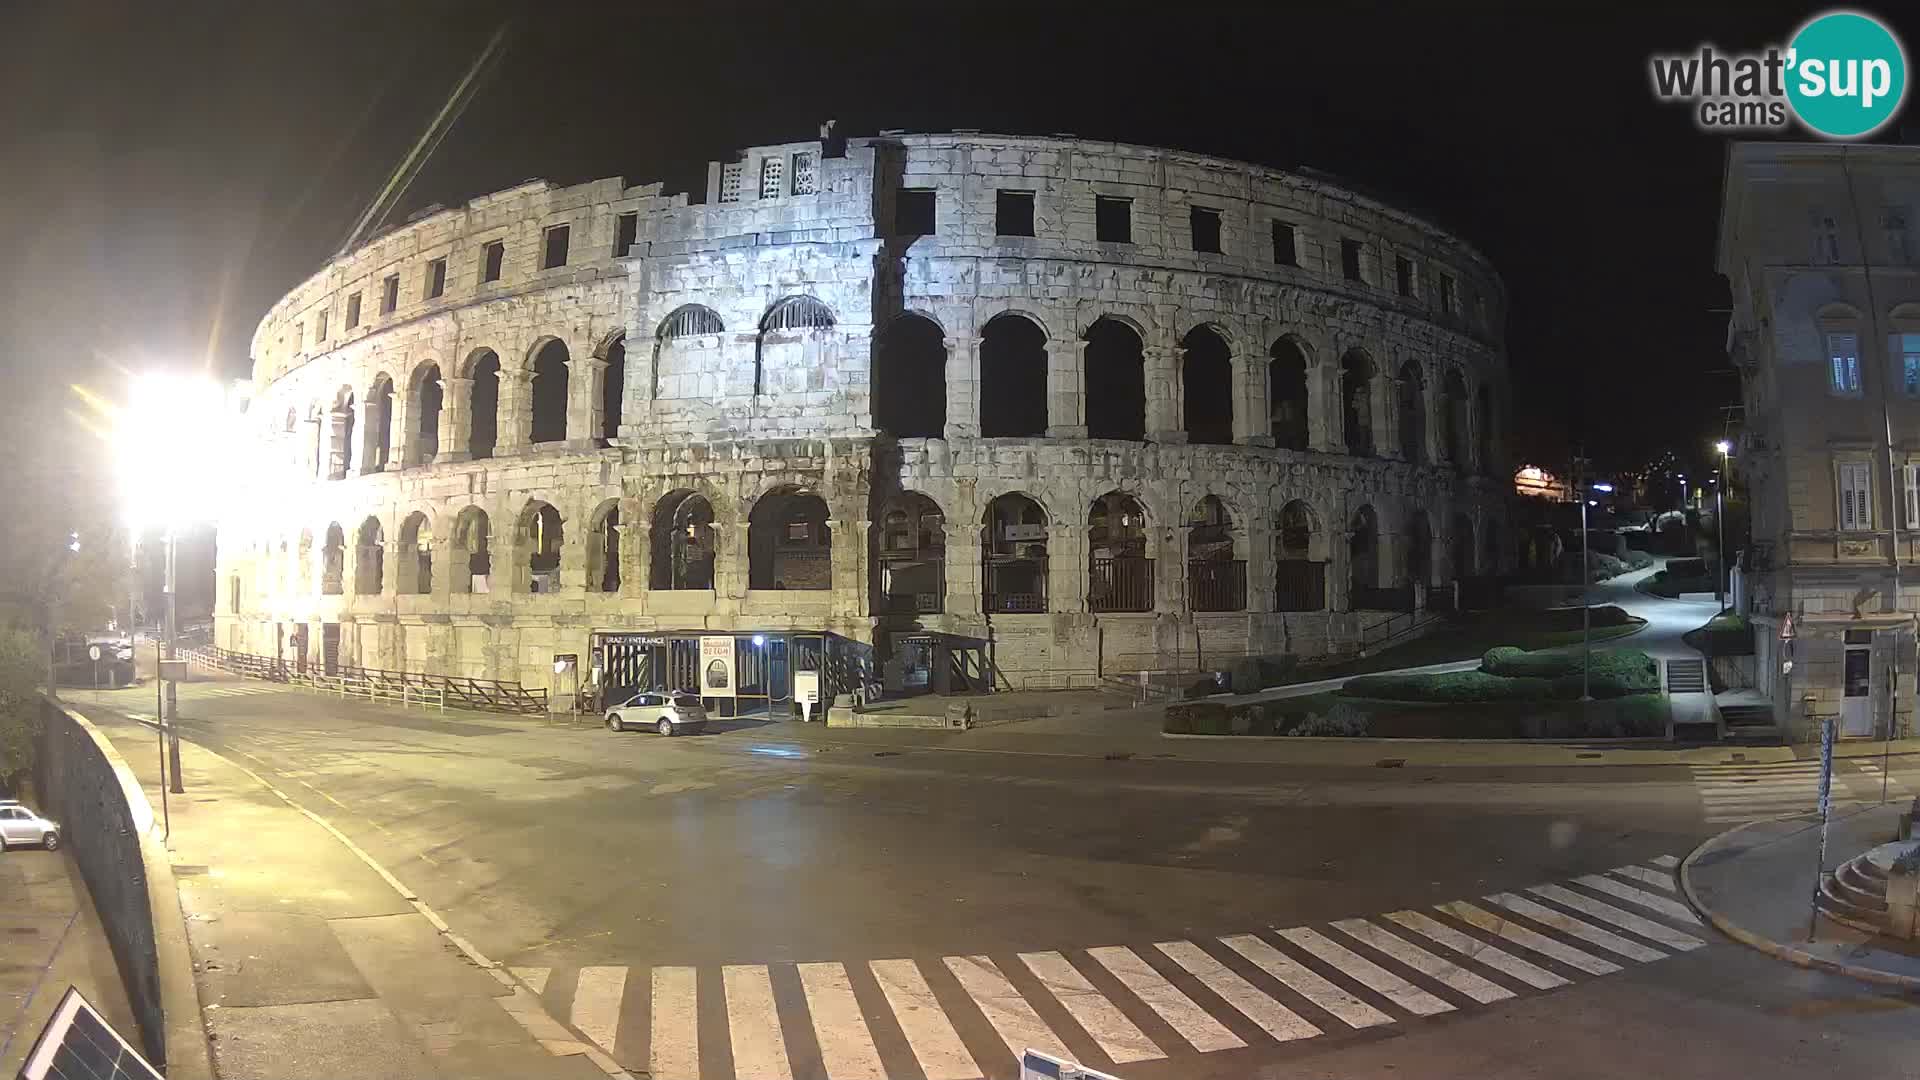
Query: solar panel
79	1044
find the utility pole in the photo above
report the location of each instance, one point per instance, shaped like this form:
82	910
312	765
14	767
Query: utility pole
172	715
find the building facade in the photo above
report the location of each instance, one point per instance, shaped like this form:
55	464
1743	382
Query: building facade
1030	411
1818	246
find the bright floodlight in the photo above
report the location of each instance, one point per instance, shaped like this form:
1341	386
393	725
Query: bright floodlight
1603	487
173	445
1723	446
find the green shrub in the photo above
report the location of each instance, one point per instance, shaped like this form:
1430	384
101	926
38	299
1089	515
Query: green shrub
1340	721
1448	687
1638	560
1499	657
1251	673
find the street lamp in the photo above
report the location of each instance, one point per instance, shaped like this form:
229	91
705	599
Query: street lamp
1586	592
1720	521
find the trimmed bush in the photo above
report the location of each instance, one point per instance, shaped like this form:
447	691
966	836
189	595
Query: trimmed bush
1500	657
1339	721
1450	687
1615	671
1251	673
1638	560
1197	718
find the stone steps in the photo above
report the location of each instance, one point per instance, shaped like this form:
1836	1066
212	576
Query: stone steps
1855	892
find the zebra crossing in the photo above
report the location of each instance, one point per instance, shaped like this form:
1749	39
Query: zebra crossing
1738	792
969	1017
194	692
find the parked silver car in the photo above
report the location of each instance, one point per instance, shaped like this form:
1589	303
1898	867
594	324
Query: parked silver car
668	714
19	825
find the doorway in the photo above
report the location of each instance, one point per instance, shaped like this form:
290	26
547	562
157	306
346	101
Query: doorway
330	648
1857	678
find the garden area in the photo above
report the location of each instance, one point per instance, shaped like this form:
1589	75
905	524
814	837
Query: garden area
1467	636
1680	576
1515	694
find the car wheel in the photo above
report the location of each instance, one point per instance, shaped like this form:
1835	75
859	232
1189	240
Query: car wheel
664	727
51	841
614	724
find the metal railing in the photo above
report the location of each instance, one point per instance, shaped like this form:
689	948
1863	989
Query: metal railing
1120	584
1299	585
375	684
1016	587
1218	585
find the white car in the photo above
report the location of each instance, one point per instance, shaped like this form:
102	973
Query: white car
19	825
668	714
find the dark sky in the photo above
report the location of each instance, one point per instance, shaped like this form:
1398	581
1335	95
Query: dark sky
169	170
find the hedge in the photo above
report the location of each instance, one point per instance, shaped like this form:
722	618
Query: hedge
1449	687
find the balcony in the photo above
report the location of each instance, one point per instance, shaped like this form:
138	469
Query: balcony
1217	585
1120	584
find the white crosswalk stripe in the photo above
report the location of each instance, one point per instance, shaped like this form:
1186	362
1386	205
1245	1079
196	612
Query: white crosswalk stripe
1658	878
1352	970
1666	862
1749	792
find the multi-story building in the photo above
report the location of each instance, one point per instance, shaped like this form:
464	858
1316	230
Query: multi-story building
1030	409
1818	244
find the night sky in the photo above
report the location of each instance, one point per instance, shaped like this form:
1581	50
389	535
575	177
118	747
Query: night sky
169	170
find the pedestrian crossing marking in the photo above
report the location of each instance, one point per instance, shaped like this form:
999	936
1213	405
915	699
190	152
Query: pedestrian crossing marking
1019	1026
1119	1039
1665	862
1108	1014
1304	981
1586	932
929	1033
846	1046
1651	877
1193	1023
1445	971
1274	1018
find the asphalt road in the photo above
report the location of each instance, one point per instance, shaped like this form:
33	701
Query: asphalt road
757	861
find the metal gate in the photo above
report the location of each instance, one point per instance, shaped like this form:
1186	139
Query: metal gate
330	648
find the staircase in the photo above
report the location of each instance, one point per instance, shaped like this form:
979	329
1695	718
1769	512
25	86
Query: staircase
1748	717
1686	676
1855	894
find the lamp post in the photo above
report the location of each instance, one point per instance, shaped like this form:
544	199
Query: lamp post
1720	522
1586	592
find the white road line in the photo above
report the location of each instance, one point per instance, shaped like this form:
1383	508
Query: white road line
1367	973
675	1050
1019	1026
1474	949
846	1046
1424	962
1586	932
596	1003
1625	920
1119	1039
1274	1018
534	977
1193	1023
1652	877
1305	982
759	1049
929	1033
1665	861
1527	939
1661	904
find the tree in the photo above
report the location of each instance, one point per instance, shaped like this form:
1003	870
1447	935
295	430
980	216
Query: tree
20	674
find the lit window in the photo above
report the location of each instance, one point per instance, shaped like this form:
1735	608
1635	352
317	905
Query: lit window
1910	475
1907	348
1843	363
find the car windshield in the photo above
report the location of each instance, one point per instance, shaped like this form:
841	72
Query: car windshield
686	701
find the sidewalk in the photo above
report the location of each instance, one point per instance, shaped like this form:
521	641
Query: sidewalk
314	965
50	939
1755	883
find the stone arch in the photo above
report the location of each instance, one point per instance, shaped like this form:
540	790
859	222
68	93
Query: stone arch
682	540
684	323
1116	380
369	558
603	547
1300	558
1119	566
613	385
790	343
427	396
1453	416
1363	551
1206	380
1013	377
333	561
1216	579
303	567
1356	402
789	540
483	432
471	552
910	551
909	378
1411	402
1014	551
379	448
413	566
1460	547
1287	398
547	419
1419	560
540	537
340	458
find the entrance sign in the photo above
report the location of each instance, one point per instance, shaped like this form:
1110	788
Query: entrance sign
716	666
806	693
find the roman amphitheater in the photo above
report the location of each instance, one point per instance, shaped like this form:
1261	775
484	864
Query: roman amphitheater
911	412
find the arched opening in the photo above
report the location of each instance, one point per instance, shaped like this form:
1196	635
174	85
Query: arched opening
1116	380
341	451
540	537
1287	395
1483	428
1013	378
484	429
1453	418
911	543
1300	570
1460	549
682	538
1412	403
603	549
413	571
427	395
1419	549
613	389
789	545
369	559
303	567
1363	557
687	326
1206	379
910	379
1216	581
549	422
472	555
333	561
1119	572
791	345
379	426
1356	401
1015	555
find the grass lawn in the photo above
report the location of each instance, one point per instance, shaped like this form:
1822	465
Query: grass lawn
1467	639
1634	715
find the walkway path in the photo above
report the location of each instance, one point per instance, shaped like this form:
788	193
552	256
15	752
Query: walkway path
50	939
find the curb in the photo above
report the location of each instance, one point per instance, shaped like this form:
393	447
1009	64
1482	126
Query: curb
1777	950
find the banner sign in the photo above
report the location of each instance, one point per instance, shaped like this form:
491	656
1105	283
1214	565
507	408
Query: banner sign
716	666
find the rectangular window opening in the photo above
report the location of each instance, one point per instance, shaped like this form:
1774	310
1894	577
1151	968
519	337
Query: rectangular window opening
1446	293
1403	275
772	177
627	234
436	278
1843	363
913	212
1112	219
353	311
1910	486
493	257
1206	229
1856	496
806	179
1284	251
389	294
320	327
1013	213
1350	259
554	252
730	181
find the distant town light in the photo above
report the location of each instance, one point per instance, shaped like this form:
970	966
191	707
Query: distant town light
1603	487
